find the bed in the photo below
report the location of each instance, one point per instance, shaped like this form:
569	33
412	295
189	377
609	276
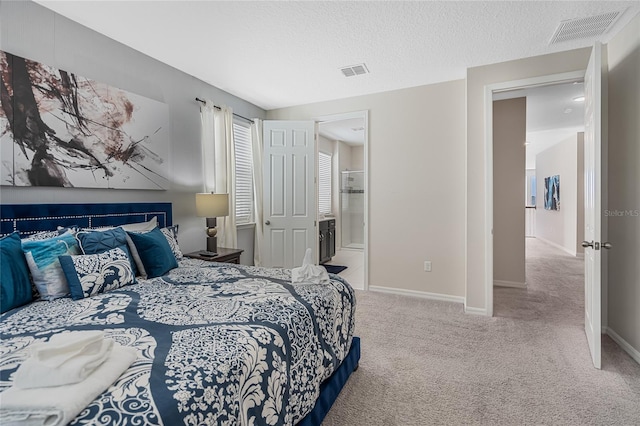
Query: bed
216	343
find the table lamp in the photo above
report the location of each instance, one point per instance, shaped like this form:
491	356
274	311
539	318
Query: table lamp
211	206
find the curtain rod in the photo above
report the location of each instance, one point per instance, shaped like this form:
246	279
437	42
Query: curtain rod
217	107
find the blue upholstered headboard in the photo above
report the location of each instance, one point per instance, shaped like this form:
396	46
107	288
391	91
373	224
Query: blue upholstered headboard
31	218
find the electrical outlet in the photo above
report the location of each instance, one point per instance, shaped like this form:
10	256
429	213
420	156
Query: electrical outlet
427	266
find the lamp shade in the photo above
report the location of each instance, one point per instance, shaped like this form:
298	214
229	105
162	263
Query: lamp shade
212	205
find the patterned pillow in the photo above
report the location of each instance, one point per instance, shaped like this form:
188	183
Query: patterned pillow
91	274
133	252
101	240
44	235
42	259
171	234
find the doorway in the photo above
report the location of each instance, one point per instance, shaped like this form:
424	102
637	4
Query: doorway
345	137
489	91
548	156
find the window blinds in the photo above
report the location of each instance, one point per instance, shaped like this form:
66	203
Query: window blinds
324	183
244	170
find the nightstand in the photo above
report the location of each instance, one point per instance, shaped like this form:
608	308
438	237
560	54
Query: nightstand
225	255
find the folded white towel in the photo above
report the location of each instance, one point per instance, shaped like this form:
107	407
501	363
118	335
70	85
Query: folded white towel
60	405
308	272
66	358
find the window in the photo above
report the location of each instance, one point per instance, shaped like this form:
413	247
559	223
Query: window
324	183
244	173
530	188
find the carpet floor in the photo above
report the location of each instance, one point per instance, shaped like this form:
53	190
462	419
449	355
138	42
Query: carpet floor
426	362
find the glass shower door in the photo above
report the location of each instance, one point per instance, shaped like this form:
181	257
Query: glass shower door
352	209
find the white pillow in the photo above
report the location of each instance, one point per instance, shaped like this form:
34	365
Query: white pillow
142	226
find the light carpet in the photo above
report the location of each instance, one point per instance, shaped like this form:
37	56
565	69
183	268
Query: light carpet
425	362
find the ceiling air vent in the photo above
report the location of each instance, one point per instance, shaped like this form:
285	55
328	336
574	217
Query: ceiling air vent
352	70
592	26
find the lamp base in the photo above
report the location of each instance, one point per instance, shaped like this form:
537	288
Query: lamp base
212	240
212	244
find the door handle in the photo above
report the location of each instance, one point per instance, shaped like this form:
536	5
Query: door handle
268	222
586	244
607	245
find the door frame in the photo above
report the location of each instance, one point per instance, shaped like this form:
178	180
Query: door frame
489	90
364	114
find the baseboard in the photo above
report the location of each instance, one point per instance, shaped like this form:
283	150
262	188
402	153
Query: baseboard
558	246
415	293
514	284
475	311
633	352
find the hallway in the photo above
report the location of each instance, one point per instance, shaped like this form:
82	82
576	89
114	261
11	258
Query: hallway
554	298
555	288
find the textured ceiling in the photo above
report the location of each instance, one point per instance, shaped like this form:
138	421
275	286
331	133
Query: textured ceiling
278	54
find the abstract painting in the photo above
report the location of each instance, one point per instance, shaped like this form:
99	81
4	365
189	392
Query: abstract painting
552	193
60	129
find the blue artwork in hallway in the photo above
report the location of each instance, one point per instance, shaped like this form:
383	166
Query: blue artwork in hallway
552	193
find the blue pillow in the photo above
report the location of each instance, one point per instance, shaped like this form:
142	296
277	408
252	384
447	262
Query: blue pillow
14	274
42	259
97	273
155	252
100	241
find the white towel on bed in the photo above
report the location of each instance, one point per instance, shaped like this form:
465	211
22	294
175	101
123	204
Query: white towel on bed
308	272
66	358
60	405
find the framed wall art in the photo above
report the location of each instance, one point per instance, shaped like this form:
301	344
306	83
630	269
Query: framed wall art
60	129
552	192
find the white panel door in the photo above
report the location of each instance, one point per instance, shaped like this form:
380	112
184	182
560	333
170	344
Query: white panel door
290	201
593	202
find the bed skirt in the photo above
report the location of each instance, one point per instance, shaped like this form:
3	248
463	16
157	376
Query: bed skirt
330	389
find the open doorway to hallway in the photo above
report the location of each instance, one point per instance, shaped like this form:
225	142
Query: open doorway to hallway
538	159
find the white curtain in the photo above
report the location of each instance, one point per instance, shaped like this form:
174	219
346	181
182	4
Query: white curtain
218	165
256	146
225	172
207	144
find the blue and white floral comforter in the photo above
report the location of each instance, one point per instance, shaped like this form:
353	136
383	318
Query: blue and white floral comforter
218	344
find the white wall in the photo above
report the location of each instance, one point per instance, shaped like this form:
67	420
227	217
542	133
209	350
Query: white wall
476	197
34	32
416	183
624	191
325	145
344	156
357	158
559	227
246	237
